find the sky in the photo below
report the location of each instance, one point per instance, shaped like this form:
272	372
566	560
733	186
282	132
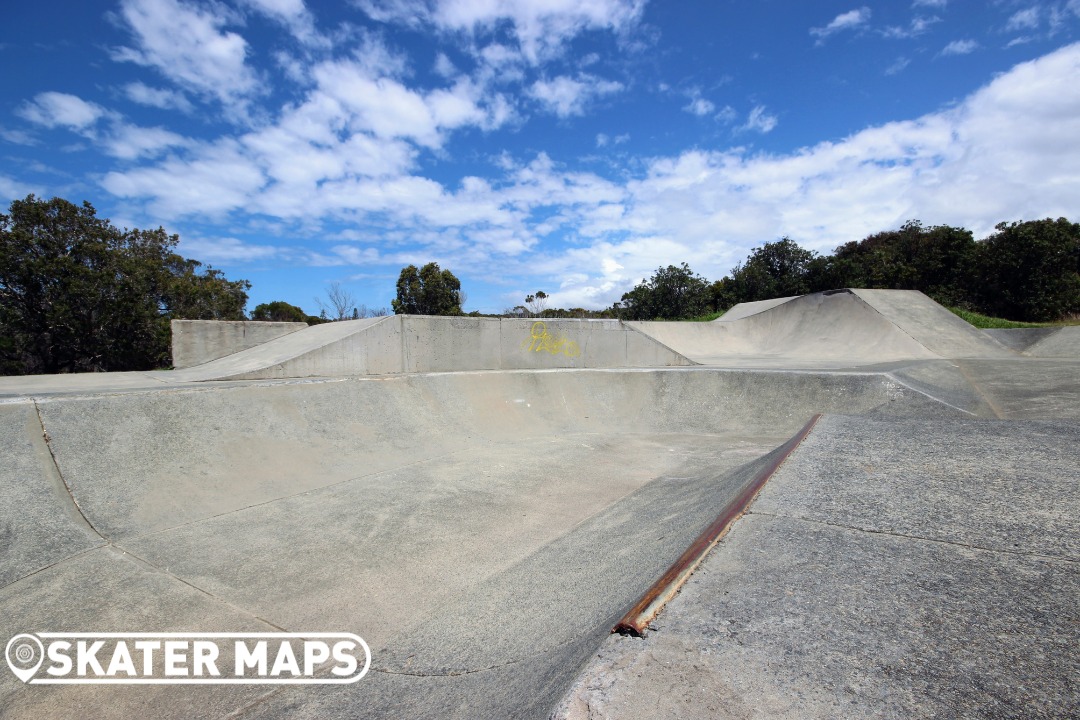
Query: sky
568	146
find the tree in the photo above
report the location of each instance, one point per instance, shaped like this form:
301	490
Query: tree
672	293
940	261
427	291
537	302
1030	270
278	311
77	294
776	269
340	304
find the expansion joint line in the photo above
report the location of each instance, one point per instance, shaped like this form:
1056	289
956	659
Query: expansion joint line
917	538
111	544
60	474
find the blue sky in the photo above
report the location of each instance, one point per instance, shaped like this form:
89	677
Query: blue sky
570	146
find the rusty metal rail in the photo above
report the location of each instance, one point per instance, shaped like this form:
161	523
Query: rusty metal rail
636	621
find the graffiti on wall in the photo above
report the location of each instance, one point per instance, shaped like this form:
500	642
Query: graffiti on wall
540	340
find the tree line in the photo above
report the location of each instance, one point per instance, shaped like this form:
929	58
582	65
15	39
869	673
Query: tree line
78	294
1028	271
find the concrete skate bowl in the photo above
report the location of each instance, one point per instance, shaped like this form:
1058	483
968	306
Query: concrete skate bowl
482	531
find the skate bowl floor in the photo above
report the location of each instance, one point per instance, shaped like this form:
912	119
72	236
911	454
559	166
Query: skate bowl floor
483	530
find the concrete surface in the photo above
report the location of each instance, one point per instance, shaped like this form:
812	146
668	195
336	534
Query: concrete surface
836	329
482	512
893	568
195	342
1050	342
1019	339
1065	343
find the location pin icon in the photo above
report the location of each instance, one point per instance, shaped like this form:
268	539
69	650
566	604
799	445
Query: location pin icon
24	655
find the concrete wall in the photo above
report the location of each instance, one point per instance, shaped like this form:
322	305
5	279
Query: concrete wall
197	341
424	344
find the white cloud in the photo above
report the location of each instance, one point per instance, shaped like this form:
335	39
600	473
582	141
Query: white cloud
186	44
226	250
53	109
898	66
387	108
960	47
444	66
937	4
759	120
18	137
603	139
850	20
129	142
1007	152
12	189
347	155
1024	20
219	178
919	25
566	96
700	107
540	27
295	16
157	97
727	115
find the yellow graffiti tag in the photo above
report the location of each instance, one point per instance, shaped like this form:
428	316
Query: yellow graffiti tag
540	340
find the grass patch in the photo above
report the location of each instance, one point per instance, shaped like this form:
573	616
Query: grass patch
985	322
706	318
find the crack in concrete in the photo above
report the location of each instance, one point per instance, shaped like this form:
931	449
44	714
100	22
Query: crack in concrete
460	673
54	564
920	538
60	474
193	586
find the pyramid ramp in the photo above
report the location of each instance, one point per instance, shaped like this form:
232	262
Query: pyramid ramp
932	325
834	329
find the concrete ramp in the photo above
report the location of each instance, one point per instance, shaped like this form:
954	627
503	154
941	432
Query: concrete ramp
833	329
747	309
931	325
419	344
1020	339
1064	343
841	328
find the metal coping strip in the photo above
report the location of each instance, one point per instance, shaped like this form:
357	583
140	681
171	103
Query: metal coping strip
636	621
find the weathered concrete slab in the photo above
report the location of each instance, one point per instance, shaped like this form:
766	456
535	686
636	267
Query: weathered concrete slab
891	569
39	524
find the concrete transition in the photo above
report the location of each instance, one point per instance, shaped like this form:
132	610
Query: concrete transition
481	500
